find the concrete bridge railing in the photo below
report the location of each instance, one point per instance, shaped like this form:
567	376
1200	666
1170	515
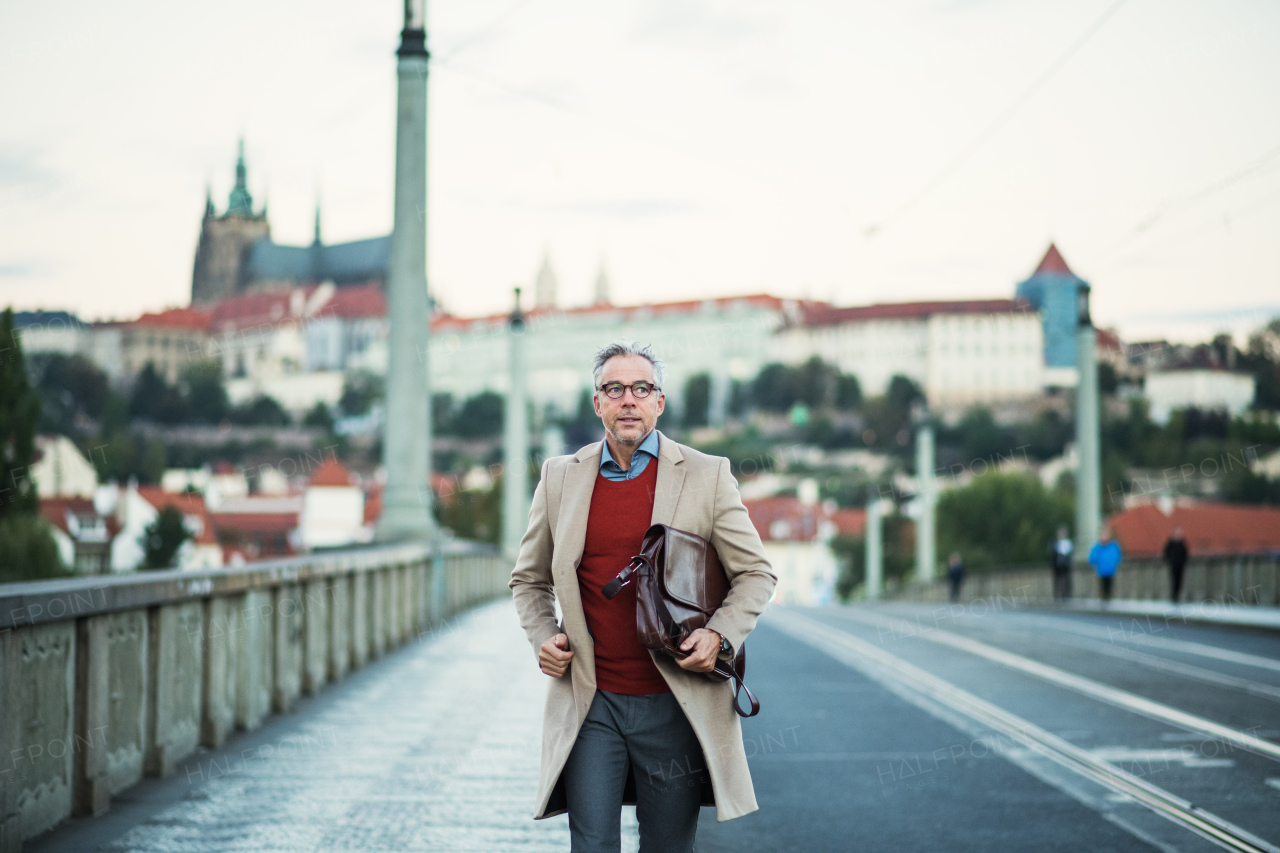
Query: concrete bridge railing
1227	580
106	679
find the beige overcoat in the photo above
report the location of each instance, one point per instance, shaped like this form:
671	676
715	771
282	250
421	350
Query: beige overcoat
694	492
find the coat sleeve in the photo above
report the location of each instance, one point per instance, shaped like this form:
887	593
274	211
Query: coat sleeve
531	584
751	578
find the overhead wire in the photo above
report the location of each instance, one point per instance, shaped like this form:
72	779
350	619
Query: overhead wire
975	145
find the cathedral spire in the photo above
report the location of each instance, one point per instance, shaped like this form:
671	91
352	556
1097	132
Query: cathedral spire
544	286
240	201
209	211
316	239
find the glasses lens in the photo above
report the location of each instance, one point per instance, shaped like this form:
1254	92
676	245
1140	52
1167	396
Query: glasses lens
641	389
614	390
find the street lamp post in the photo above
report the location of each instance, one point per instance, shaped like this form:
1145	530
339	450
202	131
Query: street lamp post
406	454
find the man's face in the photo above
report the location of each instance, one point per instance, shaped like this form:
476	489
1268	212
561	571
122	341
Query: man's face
629	419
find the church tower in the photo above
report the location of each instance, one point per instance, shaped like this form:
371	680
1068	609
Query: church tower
225	240
544	286
601	295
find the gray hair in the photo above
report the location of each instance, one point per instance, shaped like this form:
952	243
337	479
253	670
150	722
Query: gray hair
624	348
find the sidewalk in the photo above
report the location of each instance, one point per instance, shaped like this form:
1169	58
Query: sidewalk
1208	612
439	751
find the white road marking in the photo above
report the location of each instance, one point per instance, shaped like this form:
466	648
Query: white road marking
1186	757
1145	637
952	704
1086	686
1266	691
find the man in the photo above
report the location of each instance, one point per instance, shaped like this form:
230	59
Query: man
1060	551
619	718
955	577
1176	554
1105	557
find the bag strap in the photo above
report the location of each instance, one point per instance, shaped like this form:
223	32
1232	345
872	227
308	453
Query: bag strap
739	687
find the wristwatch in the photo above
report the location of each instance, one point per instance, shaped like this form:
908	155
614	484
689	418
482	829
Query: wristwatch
726	650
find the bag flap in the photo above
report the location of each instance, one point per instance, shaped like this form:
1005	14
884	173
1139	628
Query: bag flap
691	572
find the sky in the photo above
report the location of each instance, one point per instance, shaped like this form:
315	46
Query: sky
849	151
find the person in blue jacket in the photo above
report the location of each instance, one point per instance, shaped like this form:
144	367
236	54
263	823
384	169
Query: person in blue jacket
1105	557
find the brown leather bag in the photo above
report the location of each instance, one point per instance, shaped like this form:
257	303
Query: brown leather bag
679	586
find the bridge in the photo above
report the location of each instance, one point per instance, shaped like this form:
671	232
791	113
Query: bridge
386	700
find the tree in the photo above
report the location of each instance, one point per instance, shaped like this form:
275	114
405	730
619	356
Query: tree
206	396
261	411
360	390
154	461
697	400
774	388
71	388
480	416
154	399
1000	519
19	414
980	437
848	392
27	548
28	551
319	416
163	538
816	383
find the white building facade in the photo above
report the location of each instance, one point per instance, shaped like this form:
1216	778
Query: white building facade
1202	388
960	353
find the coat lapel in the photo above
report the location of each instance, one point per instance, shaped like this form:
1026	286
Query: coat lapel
570	536
670	481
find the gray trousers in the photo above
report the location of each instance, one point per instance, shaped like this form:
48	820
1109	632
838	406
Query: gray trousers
650	736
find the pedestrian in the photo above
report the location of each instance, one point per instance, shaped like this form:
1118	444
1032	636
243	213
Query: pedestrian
955	576
621	723
1176	554
1060	553
1105	558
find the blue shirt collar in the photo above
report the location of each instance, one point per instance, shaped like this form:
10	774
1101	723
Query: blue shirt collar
649	446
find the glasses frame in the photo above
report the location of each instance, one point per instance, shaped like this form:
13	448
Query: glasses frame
654	388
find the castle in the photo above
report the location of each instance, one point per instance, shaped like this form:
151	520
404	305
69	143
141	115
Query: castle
237	255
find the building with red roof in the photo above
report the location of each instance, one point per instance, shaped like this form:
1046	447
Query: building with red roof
333	509
83	535
960	351
1210	530
171	340
796	536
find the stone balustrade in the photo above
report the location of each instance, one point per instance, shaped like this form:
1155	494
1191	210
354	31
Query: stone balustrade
106	679
1227	580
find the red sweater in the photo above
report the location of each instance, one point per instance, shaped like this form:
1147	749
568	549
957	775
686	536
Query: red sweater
621	512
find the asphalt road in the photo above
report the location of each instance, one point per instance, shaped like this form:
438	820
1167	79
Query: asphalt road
844	759
897	728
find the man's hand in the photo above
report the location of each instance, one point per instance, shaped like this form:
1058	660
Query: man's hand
554	656
703	645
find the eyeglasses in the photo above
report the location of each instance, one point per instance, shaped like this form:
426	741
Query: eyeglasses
616	390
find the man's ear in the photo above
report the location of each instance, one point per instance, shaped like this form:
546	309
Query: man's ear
595	401
662	402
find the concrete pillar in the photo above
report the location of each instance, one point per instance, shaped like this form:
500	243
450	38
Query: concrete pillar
253	659
173	689
406	453
218	694
515	462
875	550
315	637
92	792
926	553
285	638
339	588
1088	435
359	624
